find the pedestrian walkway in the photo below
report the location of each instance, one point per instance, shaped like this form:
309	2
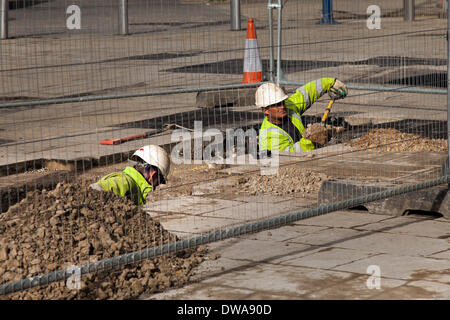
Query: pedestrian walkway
341	255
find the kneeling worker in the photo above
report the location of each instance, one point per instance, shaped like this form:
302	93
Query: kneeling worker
136	182
282	128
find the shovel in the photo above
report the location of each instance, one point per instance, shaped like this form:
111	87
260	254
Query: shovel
327	111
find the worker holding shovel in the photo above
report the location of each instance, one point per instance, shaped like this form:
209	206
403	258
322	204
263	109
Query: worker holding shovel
150	170
282	127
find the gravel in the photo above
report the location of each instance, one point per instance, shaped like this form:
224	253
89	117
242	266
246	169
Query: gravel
392	140
73	225
289	180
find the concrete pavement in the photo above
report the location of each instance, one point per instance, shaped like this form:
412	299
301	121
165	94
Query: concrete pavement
335	256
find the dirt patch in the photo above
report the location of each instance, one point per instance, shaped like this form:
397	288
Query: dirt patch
73	225
289	180
392	140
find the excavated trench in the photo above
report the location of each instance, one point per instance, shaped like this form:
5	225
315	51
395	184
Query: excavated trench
221	119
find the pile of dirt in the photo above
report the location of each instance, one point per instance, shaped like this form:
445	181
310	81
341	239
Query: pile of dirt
288	180
73	225
392	140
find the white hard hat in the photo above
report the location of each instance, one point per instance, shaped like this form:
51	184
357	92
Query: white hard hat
268	94
156	156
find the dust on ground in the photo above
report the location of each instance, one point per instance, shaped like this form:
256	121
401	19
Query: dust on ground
392	140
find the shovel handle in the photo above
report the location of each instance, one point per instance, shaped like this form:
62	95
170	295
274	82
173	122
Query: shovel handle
327	111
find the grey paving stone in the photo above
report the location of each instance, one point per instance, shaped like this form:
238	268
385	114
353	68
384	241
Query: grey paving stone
343	219
441	255
286	233
189	205
411	226
328	237
436	289
396	267
281	280
399	244
261	251
199	291
325	258
423	290
355	288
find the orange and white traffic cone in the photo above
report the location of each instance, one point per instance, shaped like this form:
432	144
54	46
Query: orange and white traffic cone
252	61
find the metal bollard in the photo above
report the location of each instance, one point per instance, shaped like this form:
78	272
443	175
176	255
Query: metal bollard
123	17
4	19
327	13
235	11
408	10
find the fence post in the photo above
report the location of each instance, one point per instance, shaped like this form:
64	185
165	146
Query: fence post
280	76
408	10
270	74
235	11
123	17
327	13
4	19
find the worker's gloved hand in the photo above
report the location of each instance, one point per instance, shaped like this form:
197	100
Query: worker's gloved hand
338	90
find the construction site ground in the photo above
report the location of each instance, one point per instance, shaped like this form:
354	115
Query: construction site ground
325	257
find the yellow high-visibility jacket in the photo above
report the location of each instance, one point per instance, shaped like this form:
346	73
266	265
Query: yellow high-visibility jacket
129	182
272	137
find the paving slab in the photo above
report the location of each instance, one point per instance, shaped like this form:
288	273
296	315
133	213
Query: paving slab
277	266
399	244
410	226
328	237
255	210
437	290
204	292
286	233
325	258
441	255
281	280
343	219
259	251
396	266
354	288
188	205
423	290
187	214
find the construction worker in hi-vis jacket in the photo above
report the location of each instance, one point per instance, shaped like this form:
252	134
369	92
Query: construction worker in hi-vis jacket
282	127
136	182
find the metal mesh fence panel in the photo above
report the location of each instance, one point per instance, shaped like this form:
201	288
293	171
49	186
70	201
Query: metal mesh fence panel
76	75
400	58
